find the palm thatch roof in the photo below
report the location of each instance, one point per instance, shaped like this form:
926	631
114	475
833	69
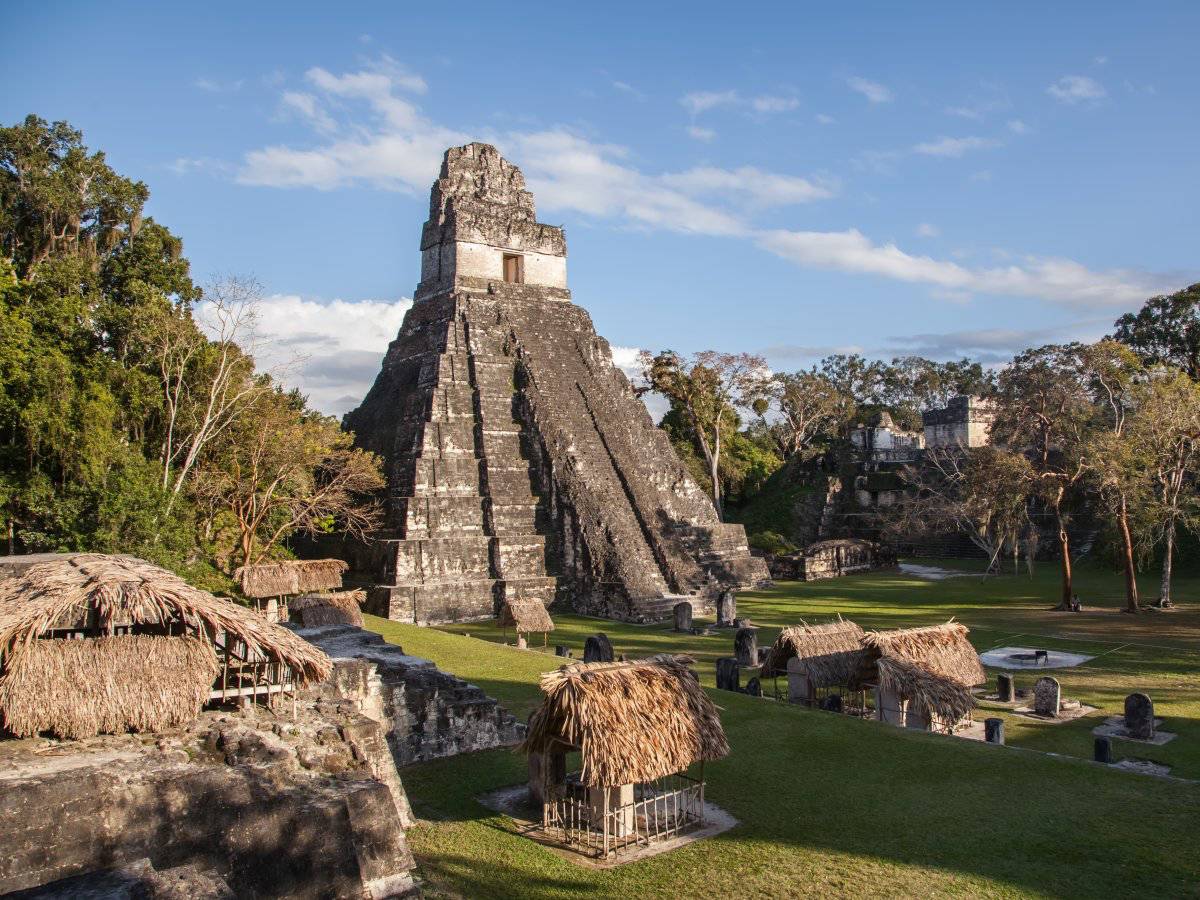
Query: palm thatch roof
633	721
936	666
109	685
290	576
96	593
829	652
336	608
527	615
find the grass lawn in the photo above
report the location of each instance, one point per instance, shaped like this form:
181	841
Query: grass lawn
831	806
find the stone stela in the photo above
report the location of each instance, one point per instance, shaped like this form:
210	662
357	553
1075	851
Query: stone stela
519	462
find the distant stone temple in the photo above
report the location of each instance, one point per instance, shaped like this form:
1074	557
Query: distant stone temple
520	463
963	422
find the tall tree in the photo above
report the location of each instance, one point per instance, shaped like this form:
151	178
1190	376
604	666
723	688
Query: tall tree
706	388
1117	465
1044	411
804	407
1166	331
1165	426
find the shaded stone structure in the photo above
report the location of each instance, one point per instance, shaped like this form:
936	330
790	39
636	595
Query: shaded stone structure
520	464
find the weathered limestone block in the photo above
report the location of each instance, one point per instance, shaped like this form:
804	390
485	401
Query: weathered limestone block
428	713
1005	688
1047	697
729	674
1139	716
683	617
745	646
597	648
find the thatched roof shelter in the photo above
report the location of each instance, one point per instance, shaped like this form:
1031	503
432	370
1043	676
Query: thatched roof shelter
156	674
829	652
936	666
336	608
526	616
632	722
284	578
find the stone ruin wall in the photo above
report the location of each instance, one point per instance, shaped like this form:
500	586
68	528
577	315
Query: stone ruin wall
520	463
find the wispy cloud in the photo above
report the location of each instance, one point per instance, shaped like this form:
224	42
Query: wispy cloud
872	90
823	119
697	102
769	104
1073	89
395	146
953	147
1016	126
625	88
994	345
701	134
927	230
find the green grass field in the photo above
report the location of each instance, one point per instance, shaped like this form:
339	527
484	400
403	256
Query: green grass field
832	806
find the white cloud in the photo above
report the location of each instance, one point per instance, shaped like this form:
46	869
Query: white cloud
768	104
331	351
872	90
397	147
626	88
214	86
309	108
761	188
1016	126
701	134
925	229
1060	280
701	101
964	112
953	147
823	119
1100	60
626	359
1072	89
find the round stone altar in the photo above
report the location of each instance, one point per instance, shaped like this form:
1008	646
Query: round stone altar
1030	658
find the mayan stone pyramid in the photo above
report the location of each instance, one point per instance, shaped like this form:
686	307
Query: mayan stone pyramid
519	462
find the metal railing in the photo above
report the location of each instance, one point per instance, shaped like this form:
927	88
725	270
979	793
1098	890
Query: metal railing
586	819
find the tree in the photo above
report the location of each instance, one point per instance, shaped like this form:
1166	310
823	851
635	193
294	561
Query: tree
1166	331
1044	411
281	469
982	493
706	388
805	406
1165	426
1117	465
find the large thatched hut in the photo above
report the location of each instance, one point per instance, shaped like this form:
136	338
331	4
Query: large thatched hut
94	644
922	677
334	608
637	727
817	659
526	617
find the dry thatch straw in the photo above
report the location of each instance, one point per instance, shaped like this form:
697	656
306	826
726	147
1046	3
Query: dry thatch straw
290	576
527	615
80	688
96	593
319	574
936	666
337	608
633	721
829	652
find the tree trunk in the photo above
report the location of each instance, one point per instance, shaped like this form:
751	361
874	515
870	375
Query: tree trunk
1131	593
1064	546
713	470
1164	584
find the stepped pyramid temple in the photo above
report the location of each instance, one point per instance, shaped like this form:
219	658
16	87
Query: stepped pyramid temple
520	464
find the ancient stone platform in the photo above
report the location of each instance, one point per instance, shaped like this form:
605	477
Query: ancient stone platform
429	713
520	463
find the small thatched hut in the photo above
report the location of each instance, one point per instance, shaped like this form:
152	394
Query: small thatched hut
526	617
334	608
922	676
287	577
815	658
92	644
637	726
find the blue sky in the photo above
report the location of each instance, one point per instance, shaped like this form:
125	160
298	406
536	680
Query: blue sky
947	179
